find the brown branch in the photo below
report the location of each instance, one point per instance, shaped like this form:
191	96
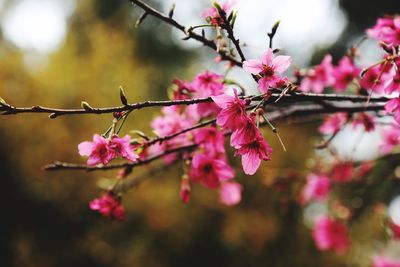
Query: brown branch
275	116
190	34
7	109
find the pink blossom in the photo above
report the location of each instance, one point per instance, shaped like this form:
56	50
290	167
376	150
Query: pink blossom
330	234
396	230
230	193
393	106
376	78
252	154
364	120
233	114
210	171
185	190
98	151
319	77
342	172
333	123
394	85
384	261
212	14
108	206
387	30
390	139
247	133
207	84
268	67
317	187
211	140
121	147
181	90
345	73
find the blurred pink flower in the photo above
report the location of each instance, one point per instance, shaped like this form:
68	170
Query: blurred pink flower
393	106
384	261
390	139
210	171
333	123
211	140
345	73
342	172
211	14
108	206
317	187
268	67
387	30
364	120
330	234
185	190
319	77
230	193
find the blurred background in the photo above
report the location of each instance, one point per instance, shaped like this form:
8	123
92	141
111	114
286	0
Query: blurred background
60	52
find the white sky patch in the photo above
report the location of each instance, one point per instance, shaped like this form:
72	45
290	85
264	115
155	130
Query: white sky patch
394	210
38	26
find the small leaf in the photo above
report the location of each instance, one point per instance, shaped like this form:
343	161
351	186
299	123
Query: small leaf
85	105
2	101
122	96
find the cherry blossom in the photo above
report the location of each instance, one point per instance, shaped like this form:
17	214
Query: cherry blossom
316	188
319	77
108	206
384	261
344	73
386	30
233	114
330	234
269	67
230	193
333	123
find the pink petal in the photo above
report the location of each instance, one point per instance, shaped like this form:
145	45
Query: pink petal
267	57
253	66
250	162
85	148
222	100
281	63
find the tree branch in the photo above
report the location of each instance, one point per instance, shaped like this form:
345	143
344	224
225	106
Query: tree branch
8	109
190	34
275	116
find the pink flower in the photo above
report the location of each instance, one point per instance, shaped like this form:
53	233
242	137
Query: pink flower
230	193
185	190
233	114
396	230
212	14
393	106
252	154
211	140
98	151
319	77
108	206
329	234
384	261
387	30
390	139
317	187
181	90
268	67
247	133
121	147
365	120
342	172
376	78
345	73
333	123
394	84
209	171
207	84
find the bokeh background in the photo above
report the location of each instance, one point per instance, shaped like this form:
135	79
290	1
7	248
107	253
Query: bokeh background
60	52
